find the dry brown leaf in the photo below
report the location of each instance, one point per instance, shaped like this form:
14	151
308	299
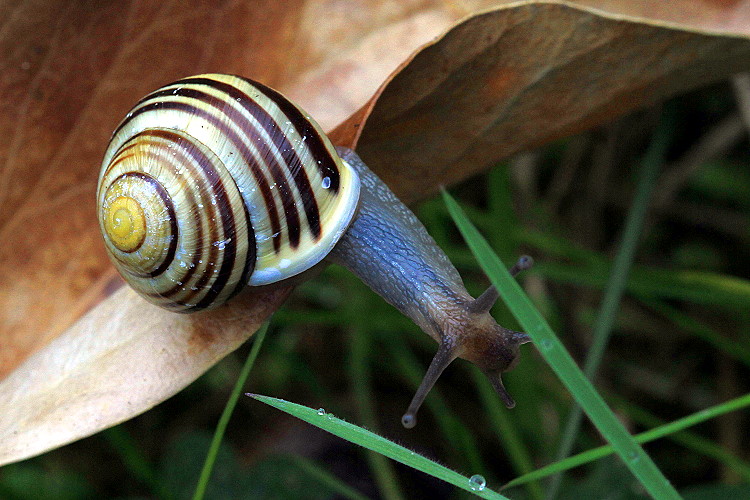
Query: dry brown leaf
92	378
74	69
518	77
720	16
71	71
496	83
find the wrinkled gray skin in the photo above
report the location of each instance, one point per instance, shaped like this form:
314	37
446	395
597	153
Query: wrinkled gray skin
390	250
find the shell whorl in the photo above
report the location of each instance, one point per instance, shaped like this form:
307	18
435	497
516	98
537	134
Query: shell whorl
215	182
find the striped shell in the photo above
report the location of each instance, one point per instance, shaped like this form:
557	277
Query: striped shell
215	182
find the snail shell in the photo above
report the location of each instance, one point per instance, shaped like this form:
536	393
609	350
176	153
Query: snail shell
216	182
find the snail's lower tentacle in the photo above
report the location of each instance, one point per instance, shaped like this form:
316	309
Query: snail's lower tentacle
497	384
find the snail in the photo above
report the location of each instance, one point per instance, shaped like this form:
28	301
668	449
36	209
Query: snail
215	183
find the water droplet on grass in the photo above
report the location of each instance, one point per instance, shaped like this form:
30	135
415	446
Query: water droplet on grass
477	482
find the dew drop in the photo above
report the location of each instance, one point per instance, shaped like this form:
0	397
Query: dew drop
477	482
221	244
321	411
547	344
326	183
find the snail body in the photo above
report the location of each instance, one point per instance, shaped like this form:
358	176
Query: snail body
215	183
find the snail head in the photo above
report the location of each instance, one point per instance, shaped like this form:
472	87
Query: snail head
473	334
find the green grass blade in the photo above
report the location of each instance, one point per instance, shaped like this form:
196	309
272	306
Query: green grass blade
135	460
728	346
618	279
591	269
501	212
359	374
506	430
700	287
692	441
313	470
379	444
645	437
561	362
208	465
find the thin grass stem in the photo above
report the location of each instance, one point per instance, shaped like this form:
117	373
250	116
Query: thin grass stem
554	353
618	279
221	427
667	430
359	374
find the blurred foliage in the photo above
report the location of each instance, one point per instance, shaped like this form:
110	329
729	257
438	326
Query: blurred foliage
681	342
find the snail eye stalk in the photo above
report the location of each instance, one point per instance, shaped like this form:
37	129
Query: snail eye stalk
444	356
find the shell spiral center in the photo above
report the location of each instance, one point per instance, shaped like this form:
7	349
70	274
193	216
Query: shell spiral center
125	224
